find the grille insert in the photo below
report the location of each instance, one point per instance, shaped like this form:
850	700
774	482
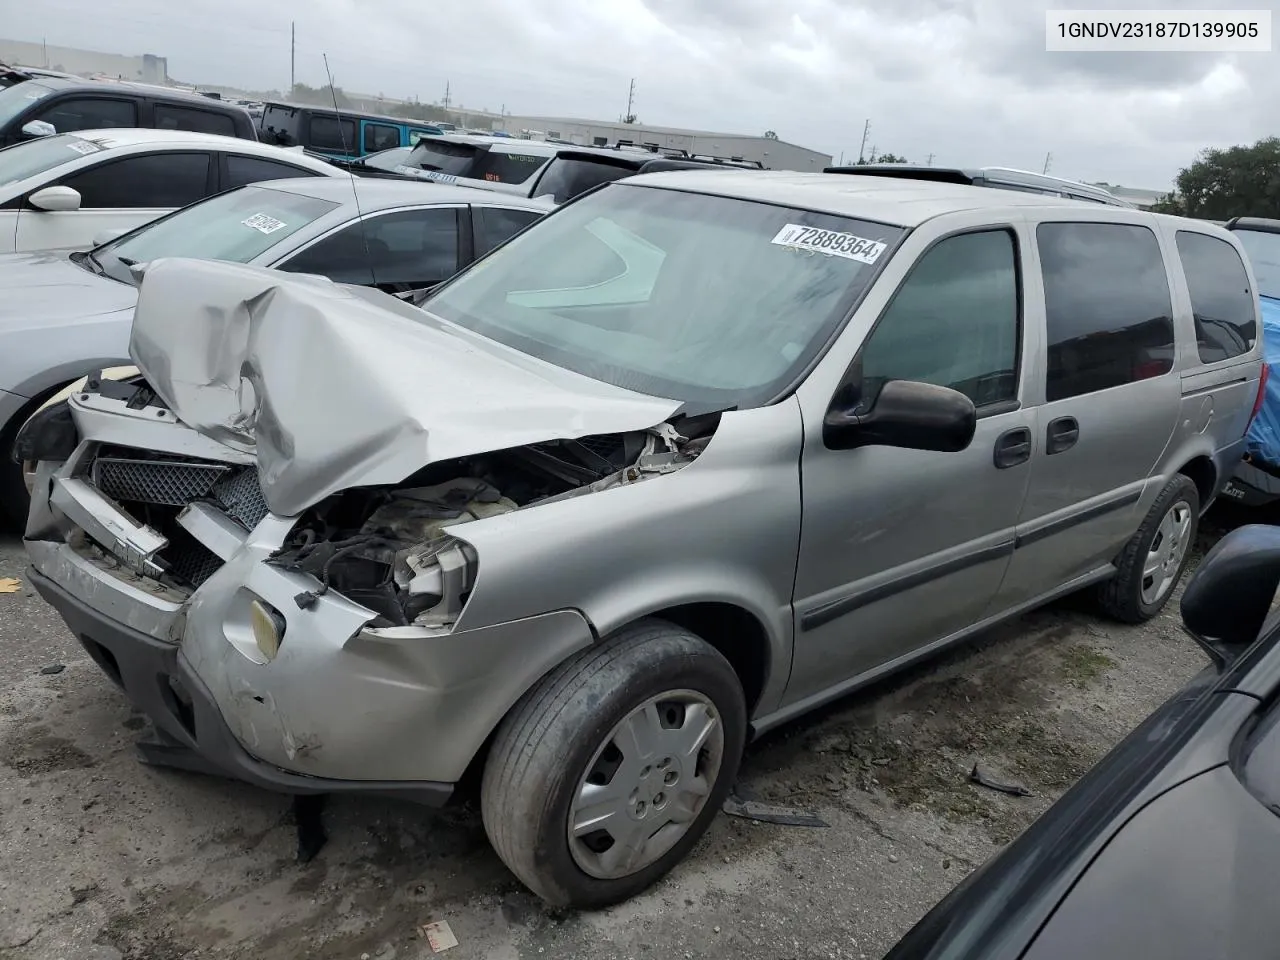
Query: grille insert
241	497
156	481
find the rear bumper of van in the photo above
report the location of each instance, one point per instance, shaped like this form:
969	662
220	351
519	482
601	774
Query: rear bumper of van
1251	486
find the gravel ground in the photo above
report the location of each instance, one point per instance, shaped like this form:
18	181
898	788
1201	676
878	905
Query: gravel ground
105	858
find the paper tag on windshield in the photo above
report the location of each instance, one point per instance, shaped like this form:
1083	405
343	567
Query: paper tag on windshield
263	223
83	147
833	243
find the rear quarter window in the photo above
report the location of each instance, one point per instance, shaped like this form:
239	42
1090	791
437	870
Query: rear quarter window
1222	302
171	117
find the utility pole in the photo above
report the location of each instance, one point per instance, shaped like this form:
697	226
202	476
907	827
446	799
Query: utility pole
1048	158
866	128
446	94
44	53
872	158
929	162
631	99
293	56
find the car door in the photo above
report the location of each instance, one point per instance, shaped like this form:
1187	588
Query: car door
68	114
398	251
901	548
1111	398
118	194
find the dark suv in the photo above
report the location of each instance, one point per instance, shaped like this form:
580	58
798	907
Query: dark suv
49	105
572	172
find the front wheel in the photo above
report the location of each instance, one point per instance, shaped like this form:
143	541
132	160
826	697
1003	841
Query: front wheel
610	770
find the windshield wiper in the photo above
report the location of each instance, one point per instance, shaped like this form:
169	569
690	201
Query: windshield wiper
80	258
127	262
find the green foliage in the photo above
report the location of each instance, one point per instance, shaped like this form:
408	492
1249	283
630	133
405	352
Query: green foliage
770	135
1237	182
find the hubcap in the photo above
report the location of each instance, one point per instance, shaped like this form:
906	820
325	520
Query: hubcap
646	784
1164	558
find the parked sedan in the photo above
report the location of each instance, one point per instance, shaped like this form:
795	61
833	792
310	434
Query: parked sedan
62	192
62	316
1168	847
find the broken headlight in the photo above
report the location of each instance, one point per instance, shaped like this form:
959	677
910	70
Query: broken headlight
437	579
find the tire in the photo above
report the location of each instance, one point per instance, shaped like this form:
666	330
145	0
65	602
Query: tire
15	502
564	730
1131	596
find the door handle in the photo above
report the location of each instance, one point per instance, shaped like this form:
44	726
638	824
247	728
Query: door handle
1063	434
1012	448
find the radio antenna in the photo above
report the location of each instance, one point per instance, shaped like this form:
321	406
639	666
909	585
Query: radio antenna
355	193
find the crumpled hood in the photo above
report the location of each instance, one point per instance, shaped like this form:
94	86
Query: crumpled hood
42	288
333	386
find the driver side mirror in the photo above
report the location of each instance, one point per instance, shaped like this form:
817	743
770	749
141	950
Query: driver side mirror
906	414
1228	598
55	199
39	128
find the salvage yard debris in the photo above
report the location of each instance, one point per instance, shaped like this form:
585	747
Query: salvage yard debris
439	935
735	806
983	779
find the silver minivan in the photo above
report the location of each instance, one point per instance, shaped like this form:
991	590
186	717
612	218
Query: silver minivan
693	455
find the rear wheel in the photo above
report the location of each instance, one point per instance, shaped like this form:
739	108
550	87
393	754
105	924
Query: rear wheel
1153	560
607	773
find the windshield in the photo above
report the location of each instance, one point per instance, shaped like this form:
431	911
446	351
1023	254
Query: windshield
704	299
41	155
1264	255
16	99
442	156
238	226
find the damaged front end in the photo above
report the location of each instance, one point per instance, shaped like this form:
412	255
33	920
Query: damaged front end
390	550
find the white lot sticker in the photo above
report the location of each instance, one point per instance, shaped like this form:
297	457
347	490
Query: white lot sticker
442	177
82	147
831	242
263	223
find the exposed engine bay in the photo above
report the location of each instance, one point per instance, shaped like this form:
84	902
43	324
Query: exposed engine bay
390	550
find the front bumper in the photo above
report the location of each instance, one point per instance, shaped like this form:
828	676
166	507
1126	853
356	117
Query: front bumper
193	734
340	707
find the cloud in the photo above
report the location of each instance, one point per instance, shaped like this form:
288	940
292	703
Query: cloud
967	81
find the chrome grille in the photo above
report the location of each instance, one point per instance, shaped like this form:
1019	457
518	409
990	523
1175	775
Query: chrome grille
241	497
156	481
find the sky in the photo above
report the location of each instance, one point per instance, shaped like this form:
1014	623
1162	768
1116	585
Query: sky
968	81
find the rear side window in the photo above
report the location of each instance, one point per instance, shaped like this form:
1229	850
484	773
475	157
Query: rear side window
1221	301
90	113
499	167
496	225
379	137
1107	304
954	322
171	117
566	177
243	170
279	125
335	134
404	250
147	180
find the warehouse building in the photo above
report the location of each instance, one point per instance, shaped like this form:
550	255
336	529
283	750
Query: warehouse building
771	153
146	68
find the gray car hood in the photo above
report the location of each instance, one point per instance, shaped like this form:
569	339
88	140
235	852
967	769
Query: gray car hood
40	289
333	386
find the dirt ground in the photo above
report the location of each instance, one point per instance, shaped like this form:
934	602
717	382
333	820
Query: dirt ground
105	858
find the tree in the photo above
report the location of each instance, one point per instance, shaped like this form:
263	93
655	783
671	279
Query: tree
1235	182
1169	203
630	118
770	135
883	158
325	96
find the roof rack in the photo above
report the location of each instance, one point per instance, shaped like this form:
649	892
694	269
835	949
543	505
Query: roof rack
998	177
